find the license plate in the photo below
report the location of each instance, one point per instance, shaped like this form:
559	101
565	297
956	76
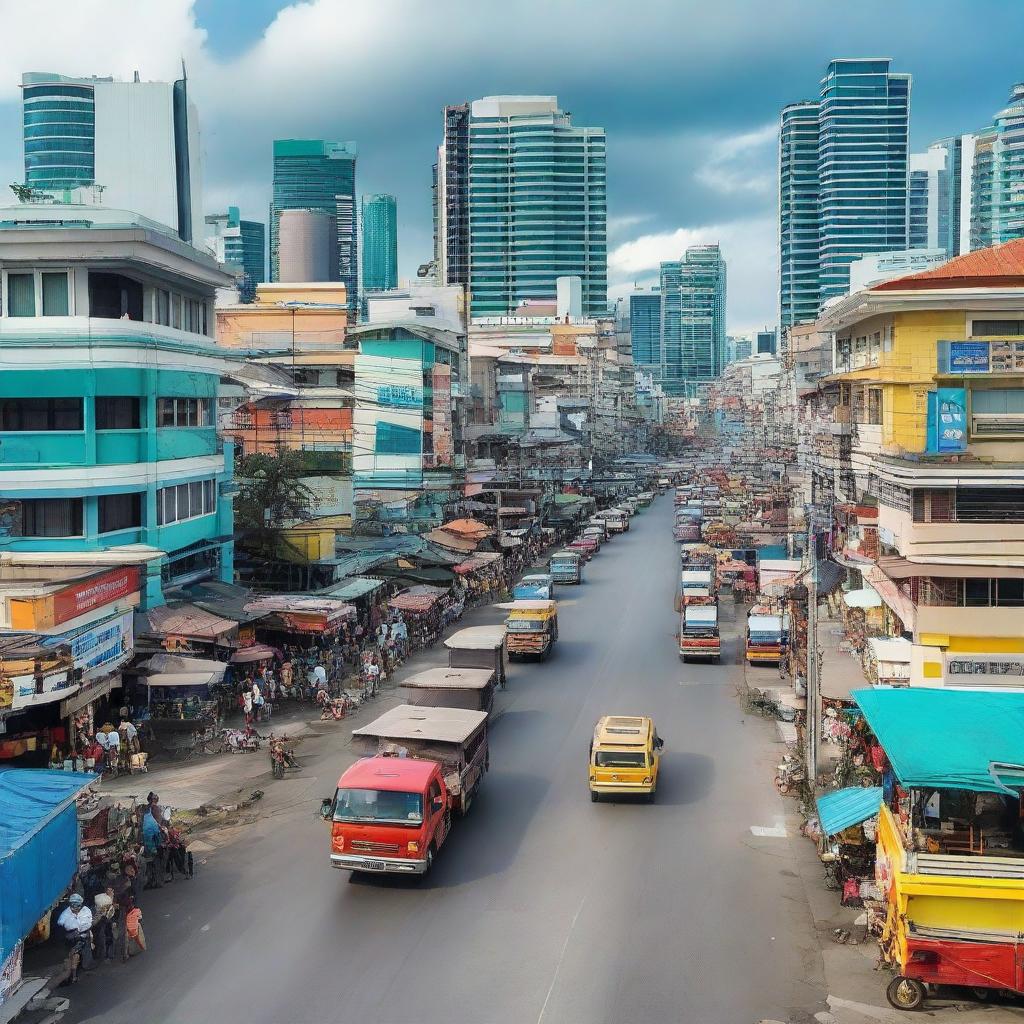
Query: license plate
373	865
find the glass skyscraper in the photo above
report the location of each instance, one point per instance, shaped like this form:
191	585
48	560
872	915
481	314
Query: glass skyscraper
533	186
934	202
380	242
239	243
645	330
997	206
693	292
310	174
863	118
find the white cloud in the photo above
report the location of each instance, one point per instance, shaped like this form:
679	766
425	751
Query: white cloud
741	163
749	248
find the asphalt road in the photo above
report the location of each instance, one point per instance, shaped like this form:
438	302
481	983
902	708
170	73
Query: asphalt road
543	908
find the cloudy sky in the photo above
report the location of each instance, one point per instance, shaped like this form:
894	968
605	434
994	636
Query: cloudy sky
689	93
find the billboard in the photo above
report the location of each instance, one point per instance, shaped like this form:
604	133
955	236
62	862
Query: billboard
968	357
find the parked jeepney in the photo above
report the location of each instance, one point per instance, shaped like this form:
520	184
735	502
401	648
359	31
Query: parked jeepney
537	586
585	546
644	498
566	566
532	629
598	523
595	533
663	484
617	520
478	647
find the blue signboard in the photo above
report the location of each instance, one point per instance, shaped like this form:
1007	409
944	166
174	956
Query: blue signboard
968	357
951	420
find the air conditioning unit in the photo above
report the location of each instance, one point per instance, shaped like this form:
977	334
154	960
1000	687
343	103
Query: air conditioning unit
997	424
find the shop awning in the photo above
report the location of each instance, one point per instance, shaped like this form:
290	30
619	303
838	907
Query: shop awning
845	807
946	739
867	597
185	620
38	845
358	586
181	679
897	568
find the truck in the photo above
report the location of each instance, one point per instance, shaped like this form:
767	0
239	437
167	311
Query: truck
766	638
566	567
392	811
616	520
532	629
698	632
697	583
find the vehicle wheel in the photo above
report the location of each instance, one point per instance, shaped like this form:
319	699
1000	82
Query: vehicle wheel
430	859
593	796
905	993
983	995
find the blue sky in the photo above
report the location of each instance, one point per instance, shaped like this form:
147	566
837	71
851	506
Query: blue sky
689	93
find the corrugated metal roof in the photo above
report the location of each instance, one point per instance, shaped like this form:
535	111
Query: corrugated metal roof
999	264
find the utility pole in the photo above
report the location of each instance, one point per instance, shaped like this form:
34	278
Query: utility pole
813	683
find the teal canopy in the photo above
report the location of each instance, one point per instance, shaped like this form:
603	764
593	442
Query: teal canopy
949	739
845	807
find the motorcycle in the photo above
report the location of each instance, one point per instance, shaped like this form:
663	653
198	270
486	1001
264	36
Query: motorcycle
282	759
790	773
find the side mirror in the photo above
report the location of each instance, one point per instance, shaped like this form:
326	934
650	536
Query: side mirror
327	808
659	743
438	803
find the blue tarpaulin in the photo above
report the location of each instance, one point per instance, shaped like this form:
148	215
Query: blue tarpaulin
947	739
38	845
846	807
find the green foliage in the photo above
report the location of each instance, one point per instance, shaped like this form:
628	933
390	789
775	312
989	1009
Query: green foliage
271	496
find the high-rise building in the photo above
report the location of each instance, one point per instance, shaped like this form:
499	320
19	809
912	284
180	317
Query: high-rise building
692	319
935	197
129	145
310	174
241	244
521	202
307	247
997	196
765	342
798	213
861	121
380	242
645	330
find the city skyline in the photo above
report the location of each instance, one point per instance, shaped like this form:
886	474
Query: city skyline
678	174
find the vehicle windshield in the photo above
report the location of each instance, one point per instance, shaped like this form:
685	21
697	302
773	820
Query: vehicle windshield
620	759
525	625
364	805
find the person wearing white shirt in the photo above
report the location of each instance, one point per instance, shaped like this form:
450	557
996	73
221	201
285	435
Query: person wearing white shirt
76	921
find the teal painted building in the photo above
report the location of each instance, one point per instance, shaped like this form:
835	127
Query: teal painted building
108	396
380	242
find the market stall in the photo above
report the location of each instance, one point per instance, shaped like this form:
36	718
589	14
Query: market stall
423	612
299	619
184	628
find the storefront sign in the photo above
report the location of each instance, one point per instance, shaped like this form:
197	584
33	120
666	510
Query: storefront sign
968	357
951	419
30	690
984	669
400	396
93	593
99	649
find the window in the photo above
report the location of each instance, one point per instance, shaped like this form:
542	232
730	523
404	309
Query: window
51	517
185	501
162	307
183	412
55	294
114	296
40	414
976	593
394	439
996	328
21	295
1009	593
997	412
117	412
119	512
875	406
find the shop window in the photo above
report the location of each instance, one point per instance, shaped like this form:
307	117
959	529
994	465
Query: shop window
183	412
119	512
32	414
21	295
51	517
997	328
117	412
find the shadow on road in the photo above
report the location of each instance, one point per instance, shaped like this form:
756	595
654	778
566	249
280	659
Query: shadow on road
684	778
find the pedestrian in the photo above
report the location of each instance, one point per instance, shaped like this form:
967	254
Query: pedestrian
135	937
153	845
286	678
257	701
247	705
104	914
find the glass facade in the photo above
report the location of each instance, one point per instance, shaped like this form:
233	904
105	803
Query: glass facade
693	292
645	330
798	213
60	135
857	194
537	206
997	207
380	243
311	174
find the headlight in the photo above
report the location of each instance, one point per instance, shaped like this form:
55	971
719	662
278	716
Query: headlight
339	843
413	847
648	780
593	778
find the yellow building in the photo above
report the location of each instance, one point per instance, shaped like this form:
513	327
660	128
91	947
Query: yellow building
930	377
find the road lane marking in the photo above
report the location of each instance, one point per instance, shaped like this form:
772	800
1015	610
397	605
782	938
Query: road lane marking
561	957
776	831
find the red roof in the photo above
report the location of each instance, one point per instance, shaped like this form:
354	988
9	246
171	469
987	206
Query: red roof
998	265
394	774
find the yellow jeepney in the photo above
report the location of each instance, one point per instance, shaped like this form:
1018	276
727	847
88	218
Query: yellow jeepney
624	756
531	629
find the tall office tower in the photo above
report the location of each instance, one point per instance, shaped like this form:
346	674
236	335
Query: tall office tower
523	203
310	174
997	195
863	118
380	242
765	342
645	331
307	246
935	196
798	214
692	319
128	145
239	243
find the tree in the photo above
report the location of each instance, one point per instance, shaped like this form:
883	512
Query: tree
271	498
